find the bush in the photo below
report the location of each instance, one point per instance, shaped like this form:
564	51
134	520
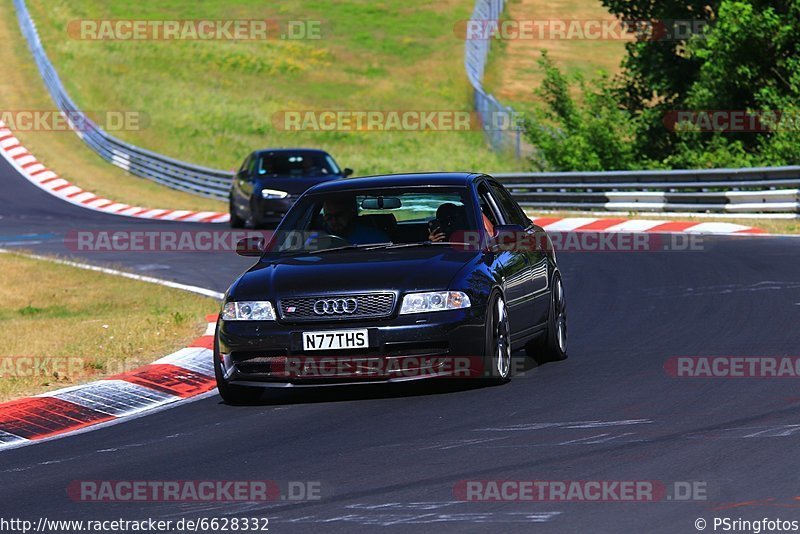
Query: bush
747	59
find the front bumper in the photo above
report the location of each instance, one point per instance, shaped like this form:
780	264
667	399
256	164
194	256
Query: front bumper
403	348
273	209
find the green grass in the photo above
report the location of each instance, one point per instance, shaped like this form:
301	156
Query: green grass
100	326
212	102
21	88
513	72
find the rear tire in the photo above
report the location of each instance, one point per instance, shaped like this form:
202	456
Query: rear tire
236	221
552	346
497	350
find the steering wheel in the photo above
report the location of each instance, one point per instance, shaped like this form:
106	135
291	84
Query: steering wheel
337	241
322	241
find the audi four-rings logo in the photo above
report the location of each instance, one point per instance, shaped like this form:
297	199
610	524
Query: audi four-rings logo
335	306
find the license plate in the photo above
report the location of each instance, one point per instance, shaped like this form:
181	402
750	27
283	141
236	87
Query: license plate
336	340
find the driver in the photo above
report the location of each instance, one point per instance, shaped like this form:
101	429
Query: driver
341	219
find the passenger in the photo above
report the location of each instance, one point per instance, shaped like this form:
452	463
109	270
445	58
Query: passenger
449	219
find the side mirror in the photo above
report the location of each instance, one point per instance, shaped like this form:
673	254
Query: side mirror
347	171
508	235
251	246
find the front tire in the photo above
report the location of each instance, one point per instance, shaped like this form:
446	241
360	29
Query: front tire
237	395
230	393
497	351
552	346
236	221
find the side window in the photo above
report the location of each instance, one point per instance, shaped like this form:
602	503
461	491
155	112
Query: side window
246	163
332	167
512	213
251	167
489	208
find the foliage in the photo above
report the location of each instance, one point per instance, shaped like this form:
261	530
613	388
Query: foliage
746	59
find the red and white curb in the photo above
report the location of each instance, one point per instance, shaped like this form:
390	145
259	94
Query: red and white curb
44	178
181	375
587	224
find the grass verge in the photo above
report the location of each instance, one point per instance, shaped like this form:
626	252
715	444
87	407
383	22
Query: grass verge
212	102
513	72
72	326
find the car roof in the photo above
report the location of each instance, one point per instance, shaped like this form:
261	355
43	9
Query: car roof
392	180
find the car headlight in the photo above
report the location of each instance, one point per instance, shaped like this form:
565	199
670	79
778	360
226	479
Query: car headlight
248	311
434	301
273	193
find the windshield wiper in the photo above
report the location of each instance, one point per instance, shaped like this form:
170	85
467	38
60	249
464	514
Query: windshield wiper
375	246
424	244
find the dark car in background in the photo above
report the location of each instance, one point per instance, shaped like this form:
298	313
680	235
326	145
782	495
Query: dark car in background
270	181
388	279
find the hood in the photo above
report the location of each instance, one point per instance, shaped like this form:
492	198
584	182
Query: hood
404	269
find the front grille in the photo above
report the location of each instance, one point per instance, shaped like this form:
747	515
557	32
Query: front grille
368	306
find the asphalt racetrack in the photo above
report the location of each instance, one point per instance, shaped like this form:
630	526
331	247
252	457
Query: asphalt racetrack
394	458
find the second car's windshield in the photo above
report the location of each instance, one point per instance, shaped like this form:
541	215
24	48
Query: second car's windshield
360	219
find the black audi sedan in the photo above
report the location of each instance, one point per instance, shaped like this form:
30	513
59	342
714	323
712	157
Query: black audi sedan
389	279
270	181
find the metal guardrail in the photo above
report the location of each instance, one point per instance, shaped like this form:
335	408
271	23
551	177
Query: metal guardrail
757	190
167	171
498	120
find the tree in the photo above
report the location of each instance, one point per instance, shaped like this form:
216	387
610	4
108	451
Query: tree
747	59
750	60
657	73
595	134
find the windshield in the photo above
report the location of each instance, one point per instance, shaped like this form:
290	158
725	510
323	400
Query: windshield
300	163
375	218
